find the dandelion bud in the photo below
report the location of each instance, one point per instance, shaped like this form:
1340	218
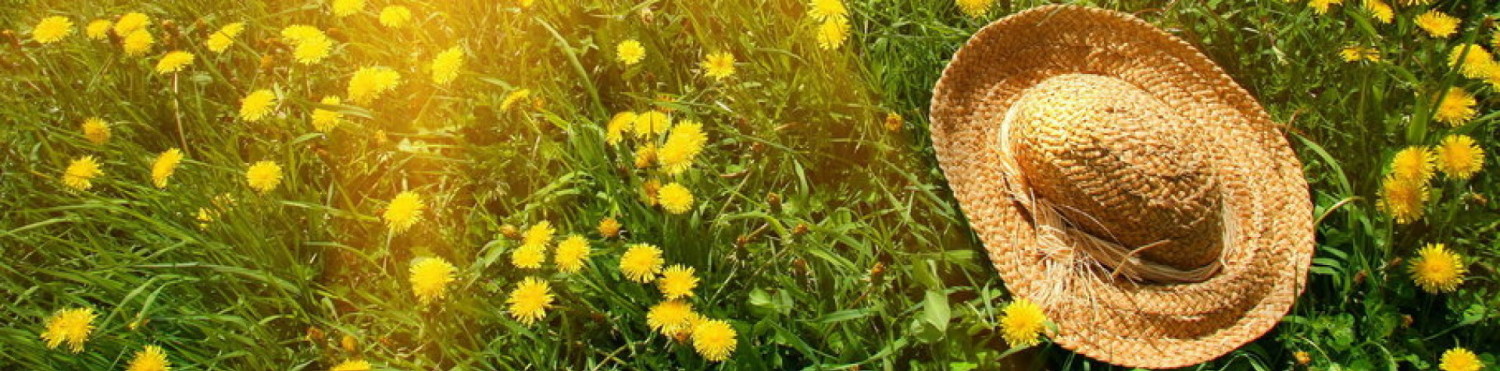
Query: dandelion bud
647	16
893	121
609	228
877	271
10	38
510	231
314	333
267	62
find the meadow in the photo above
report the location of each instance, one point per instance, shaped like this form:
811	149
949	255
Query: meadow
736	184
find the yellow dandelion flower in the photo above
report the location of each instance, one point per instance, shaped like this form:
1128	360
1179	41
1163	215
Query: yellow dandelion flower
310	45
263	176
345	8
630	52
649	189
832	33
1380	10
257	105
677	281
1456	108
528	256
298	32
893	121
1438	270
96	130
683	145
313	50
1437	24
1352	53
718	65
81	173
540	234
326	120
675	198
369	82
1360	53
165	164
1022	322
52	29
645	154
1491	75
138	43
822	10
571	254
395	16
352	365
685	334
430	278
533	249
513	98
641	262
530	300
975	8
130	23
1471	60
404	211
651	123
670	317
615	130
1403	199
1321	6
1302	357
1415	2
71	326
98	29
525	3
445	65
1460	359
1414	162
173	62
151	358
204	216
609	228
220	40
223	201
714	340
1459	157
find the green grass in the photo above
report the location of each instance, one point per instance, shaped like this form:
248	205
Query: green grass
824	238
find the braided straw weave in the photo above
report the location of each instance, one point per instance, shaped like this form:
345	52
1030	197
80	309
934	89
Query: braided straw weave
1123	182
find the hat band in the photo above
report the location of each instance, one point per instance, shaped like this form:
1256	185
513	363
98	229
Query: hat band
1118	259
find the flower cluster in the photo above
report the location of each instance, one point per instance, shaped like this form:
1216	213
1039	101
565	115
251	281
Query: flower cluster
674	316
670	155
178	57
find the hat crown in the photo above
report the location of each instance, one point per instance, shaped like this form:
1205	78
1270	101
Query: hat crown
1119	165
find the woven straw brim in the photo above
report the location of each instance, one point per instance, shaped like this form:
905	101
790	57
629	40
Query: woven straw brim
1114	319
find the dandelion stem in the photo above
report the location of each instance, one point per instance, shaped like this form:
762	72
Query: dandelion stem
177	113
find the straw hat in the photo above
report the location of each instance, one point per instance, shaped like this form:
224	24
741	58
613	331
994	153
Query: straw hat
1120	180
